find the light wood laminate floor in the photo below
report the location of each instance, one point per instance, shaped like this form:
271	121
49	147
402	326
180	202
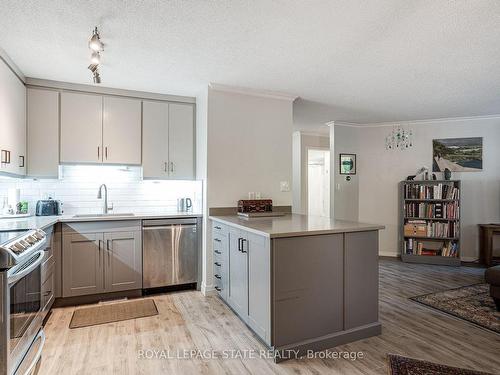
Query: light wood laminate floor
190	321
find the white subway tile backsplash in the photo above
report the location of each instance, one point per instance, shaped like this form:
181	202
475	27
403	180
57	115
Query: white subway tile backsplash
78	185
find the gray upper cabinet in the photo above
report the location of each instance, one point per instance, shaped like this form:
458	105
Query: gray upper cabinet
155	140
168	140
123	261
43	133
238	273
97	129
83	264
12	123
121	131
81	128
181	141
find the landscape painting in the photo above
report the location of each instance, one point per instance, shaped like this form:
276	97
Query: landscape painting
457	154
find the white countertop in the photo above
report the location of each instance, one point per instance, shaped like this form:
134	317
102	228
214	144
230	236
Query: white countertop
294	225
40	222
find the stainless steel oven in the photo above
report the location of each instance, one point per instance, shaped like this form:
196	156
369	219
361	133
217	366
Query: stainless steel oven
21	332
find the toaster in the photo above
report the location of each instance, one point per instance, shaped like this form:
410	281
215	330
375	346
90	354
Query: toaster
49	207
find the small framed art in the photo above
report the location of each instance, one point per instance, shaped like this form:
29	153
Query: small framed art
347	163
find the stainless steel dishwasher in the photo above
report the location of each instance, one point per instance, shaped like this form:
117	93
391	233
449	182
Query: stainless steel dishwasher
170	252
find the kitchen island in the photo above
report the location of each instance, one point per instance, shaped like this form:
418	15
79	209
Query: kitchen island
301	283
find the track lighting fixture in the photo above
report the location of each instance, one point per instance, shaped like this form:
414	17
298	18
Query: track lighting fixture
96	46
95	58
95	43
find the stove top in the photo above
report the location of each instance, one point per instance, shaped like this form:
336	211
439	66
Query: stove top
17	246
8	235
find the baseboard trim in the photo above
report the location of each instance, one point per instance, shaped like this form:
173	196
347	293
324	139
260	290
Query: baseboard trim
388	254
208	290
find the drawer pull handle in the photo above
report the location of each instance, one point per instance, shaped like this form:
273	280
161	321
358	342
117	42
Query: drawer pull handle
217	252
218	289
243	240
217	227
218	277
216	240
217	264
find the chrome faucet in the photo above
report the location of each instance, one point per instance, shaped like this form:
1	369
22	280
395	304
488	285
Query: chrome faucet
106	208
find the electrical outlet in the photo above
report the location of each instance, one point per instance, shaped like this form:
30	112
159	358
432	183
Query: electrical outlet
284	186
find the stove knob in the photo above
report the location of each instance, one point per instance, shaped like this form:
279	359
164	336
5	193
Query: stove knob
31	240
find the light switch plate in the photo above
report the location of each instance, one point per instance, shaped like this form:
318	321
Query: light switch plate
284	186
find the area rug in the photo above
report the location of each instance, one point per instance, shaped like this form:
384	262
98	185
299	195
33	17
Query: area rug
113	312
408	366
472	303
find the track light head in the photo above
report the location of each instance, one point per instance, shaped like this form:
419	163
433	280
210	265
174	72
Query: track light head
95	58
95	43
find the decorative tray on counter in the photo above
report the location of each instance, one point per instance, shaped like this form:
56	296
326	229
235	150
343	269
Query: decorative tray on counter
249	215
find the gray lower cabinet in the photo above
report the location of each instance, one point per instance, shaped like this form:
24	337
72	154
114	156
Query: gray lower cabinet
101	258
238	273
83	264
242	271
123	261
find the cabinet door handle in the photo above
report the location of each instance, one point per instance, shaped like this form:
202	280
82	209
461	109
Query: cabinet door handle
99	245
106	152
98	153
4	156
8	157
243	240
239	243
217	227
218	289
217	264
218	276
217	252
21	161
165	167
109	248
172	166
216	240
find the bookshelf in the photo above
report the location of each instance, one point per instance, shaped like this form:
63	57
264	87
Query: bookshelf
430	222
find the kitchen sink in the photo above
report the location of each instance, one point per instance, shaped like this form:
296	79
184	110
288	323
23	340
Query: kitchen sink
103	215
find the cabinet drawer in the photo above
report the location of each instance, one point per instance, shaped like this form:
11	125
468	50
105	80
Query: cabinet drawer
48	289
219	229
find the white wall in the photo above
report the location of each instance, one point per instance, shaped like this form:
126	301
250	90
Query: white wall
380	171
345	193
302	142
249	148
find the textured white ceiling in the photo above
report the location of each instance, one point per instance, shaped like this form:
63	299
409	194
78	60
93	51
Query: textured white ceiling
371	61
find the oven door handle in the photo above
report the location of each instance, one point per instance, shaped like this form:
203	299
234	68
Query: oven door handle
18	276
41	336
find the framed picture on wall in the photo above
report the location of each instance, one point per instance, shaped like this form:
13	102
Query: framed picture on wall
347	163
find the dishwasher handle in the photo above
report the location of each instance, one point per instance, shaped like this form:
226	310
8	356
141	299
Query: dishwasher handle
168	222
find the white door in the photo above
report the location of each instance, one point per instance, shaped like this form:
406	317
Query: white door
155	140
181	141
81	128
318	182
122	131
43	133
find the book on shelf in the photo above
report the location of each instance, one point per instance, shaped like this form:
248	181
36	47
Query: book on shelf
440	210
423	228
446	249
446	191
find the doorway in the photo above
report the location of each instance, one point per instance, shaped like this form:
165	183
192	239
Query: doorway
318	182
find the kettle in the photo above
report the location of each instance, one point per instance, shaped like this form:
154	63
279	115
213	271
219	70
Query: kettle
184	204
